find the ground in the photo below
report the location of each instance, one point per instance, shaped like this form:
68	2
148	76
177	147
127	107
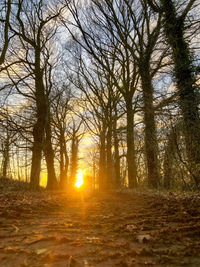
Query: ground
99	229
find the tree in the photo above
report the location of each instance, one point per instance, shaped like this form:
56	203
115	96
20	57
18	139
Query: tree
5	9
140	37
101	99
7	137
15	136
124	72
32	28
174	27
61	112
75	137
49	152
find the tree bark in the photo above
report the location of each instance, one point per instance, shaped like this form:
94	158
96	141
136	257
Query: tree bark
168	160
64	161
38	138
6	157
117	181
183	71
39	127
132	170
4	46
102	161
151	145
49	155
109	156
74	159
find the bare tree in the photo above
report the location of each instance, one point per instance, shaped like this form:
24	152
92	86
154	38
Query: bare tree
101	99
102	45
61	112
5	11
134	29
76	134
174	27
33	30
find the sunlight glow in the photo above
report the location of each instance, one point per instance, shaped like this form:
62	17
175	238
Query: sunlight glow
79	178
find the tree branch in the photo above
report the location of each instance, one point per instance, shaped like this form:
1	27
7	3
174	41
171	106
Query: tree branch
187	9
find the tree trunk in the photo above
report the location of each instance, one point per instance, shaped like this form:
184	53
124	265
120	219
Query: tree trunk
117	181
66	166
64	162
39	127
74	159
38	138
109	156
151	144
168	161
49	156
132	171
6	157
183	71
6	37
61	182
102	161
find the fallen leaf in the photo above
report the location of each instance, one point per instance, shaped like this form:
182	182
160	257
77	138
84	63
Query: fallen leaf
41	251
131	227
73	262
143	238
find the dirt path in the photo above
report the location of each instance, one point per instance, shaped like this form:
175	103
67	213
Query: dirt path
116	229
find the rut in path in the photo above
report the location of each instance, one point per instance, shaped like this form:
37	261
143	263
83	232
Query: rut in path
113	229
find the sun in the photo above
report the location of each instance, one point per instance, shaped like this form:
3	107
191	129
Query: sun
79	178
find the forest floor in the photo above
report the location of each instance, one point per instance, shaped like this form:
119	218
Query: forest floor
99	229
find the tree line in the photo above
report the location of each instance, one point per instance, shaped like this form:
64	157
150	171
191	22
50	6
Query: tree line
123	72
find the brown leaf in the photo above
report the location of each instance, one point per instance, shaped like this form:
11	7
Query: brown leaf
143	238
131	227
